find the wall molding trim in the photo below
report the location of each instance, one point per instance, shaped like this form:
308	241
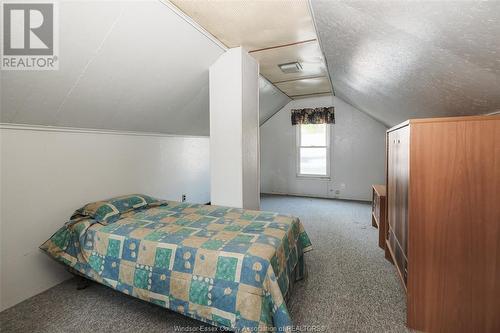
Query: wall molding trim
43	128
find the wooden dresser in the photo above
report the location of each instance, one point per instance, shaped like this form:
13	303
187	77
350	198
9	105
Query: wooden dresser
378	213
443	206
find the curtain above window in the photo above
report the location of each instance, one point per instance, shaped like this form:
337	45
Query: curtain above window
325	115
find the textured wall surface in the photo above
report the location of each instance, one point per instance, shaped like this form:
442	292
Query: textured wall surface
400	60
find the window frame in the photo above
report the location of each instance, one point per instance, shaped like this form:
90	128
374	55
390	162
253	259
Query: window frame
297	153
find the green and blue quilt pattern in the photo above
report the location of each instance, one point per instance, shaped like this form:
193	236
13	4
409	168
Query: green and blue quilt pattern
224	266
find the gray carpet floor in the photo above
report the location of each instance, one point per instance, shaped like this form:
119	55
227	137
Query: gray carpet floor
350	287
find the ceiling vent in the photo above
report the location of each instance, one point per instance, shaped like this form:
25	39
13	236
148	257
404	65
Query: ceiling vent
290	67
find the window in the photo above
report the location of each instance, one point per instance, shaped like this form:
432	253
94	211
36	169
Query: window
313	153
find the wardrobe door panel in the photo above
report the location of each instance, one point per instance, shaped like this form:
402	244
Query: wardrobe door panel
402	183
391	179
397	196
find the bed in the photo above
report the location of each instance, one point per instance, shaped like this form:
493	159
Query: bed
227	267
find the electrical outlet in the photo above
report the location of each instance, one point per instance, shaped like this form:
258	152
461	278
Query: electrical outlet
183	197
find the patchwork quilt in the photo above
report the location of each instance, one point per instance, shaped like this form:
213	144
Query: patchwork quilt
224	266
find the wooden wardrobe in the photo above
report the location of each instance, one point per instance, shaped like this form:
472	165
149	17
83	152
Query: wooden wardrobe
443	206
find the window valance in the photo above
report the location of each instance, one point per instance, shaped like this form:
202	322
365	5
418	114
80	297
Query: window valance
324	115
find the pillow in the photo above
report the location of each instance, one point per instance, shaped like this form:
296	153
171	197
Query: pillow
109	211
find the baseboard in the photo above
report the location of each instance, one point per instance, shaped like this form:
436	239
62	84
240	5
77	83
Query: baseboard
314	196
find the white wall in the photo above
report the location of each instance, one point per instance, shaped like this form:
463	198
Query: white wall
46	175
357	156
234	130
250	132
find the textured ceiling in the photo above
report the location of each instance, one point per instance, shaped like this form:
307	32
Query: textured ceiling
124	65
400	60
274	32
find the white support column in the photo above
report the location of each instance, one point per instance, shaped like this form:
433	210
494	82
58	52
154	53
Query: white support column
234	131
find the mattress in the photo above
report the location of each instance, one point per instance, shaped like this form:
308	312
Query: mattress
224	266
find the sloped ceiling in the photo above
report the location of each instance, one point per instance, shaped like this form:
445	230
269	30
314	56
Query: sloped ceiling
131	65
398	60
271	100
